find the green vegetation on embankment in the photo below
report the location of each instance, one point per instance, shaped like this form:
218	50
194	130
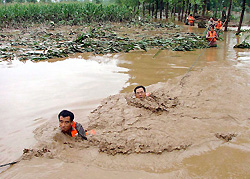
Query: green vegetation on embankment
66	13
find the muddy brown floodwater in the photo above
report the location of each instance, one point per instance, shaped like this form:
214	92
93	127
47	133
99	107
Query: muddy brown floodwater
196	127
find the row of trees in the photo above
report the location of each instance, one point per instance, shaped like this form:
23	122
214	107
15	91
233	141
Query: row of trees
209	8
48	1
203	7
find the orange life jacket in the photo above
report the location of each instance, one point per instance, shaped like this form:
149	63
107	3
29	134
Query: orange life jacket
74	131
218	25
212	36
191	19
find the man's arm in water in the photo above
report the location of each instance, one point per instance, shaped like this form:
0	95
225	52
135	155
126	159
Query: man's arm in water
81	131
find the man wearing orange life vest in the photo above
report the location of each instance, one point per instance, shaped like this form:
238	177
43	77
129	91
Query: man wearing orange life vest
219	24
68	126
212	37
191	20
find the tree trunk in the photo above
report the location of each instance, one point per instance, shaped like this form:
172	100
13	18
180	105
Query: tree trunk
161	4
216	9
204	7
166	10
153	8
189	9
156	9
143	9
183	6
179	12
195	9
174	10
228	14
149	8
242	15
186	10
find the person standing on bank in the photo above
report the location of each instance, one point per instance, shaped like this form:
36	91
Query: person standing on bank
223	14
68	126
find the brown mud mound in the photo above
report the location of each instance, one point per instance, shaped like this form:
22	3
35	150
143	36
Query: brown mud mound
154	102
173	118
125	124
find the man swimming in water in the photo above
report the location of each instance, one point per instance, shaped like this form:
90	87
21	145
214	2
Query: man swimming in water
140	92
68	126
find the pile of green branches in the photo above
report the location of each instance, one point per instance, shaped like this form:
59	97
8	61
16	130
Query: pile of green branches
243	44
101	42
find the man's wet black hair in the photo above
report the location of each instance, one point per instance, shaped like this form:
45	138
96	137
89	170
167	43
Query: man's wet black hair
137	87
66	113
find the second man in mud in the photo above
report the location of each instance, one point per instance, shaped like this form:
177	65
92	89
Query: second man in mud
140	92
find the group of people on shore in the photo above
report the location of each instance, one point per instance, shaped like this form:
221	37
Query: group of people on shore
213	27
70	127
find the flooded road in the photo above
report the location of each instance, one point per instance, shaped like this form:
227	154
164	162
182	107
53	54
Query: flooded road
33	93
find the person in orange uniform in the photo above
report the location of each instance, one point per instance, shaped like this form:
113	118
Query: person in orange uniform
68	126
219	24
140	92
212	37
191	20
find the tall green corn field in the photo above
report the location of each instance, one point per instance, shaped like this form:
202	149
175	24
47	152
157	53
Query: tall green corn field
71	13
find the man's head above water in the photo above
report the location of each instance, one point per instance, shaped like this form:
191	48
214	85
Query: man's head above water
140	92
65	120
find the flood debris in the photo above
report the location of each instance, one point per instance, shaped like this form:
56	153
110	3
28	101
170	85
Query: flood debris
225	137
30	153
47	43
202	24
101	42
244	44
153	103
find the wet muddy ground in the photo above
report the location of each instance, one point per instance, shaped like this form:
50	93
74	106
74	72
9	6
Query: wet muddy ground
190	128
